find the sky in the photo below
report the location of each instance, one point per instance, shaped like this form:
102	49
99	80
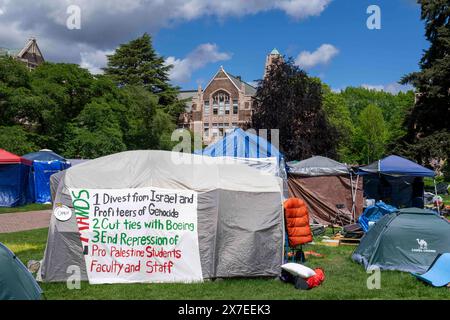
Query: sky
329	39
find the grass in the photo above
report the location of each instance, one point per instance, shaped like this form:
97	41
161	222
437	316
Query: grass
27	207
446	199
344	280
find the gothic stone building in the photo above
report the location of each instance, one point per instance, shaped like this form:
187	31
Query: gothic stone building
224	104
30	55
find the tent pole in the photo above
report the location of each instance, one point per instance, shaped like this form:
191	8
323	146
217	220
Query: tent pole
354	195
353	198
436	195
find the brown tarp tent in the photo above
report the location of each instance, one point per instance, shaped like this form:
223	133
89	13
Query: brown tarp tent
333	195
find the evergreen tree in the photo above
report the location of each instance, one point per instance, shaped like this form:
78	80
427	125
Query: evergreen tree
430	118
136	63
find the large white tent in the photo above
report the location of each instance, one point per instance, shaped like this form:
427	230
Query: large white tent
237	213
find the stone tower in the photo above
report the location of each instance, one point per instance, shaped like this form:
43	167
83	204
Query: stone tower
271	58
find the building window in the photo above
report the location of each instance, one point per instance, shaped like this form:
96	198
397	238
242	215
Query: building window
227	107
235	106
206	109
215	107
221	103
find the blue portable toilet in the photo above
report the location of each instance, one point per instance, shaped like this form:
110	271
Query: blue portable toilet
45	163
15	180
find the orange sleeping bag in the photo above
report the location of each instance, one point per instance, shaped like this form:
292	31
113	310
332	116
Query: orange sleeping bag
297	222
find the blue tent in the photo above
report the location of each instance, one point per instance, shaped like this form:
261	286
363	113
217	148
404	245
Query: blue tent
44	155
15	180
250	149
45	163
396	181
397	166
241	144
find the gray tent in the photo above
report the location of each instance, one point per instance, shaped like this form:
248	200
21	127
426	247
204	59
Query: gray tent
317	166
239	210
325	185
408	240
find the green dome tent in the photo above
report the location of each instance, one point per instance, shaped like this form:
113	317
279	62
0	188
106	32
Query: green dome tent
16	282
408	240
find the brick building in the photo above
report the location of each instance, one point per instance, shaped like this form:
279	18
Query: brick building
225	103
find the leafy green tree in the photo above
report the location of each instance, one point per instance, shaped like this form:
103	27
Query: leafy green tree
138	119
61	91
14	84
371	134
95	132
288	100
136	63
16	140
338	114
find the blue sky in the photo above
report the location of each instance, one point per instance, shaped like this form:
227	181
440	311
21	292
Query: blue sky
327	37
376	58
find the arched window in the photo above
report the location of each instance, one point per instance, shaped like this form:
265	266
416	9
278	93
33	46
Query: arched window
221	103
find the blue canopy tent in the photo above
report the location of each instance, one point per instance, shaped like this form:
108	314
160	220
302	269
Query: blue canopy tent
15	180
250	148
45	163
396	181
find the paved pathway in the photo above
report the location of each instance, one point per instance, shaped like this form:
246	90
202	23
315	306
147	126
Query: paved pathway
21	221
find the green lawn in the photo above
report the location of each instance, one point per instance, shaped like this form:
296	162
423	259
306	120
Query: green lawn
446	199
27	207
344	280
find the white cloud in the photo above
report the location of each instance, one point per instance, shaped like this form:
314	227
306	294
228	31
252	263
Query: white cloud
94	60
320	56
301	9
393	88
106	24
202	55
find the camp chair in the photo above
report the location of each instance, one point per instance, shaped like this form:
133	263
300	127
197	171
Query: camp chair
298	231
338	217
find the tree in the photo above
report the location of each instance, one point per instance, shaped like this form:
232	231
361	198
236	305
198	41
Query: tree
14	82
60	93
95	132
338	115
288	100
64	108
430	117
371	134
136	63
16	140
